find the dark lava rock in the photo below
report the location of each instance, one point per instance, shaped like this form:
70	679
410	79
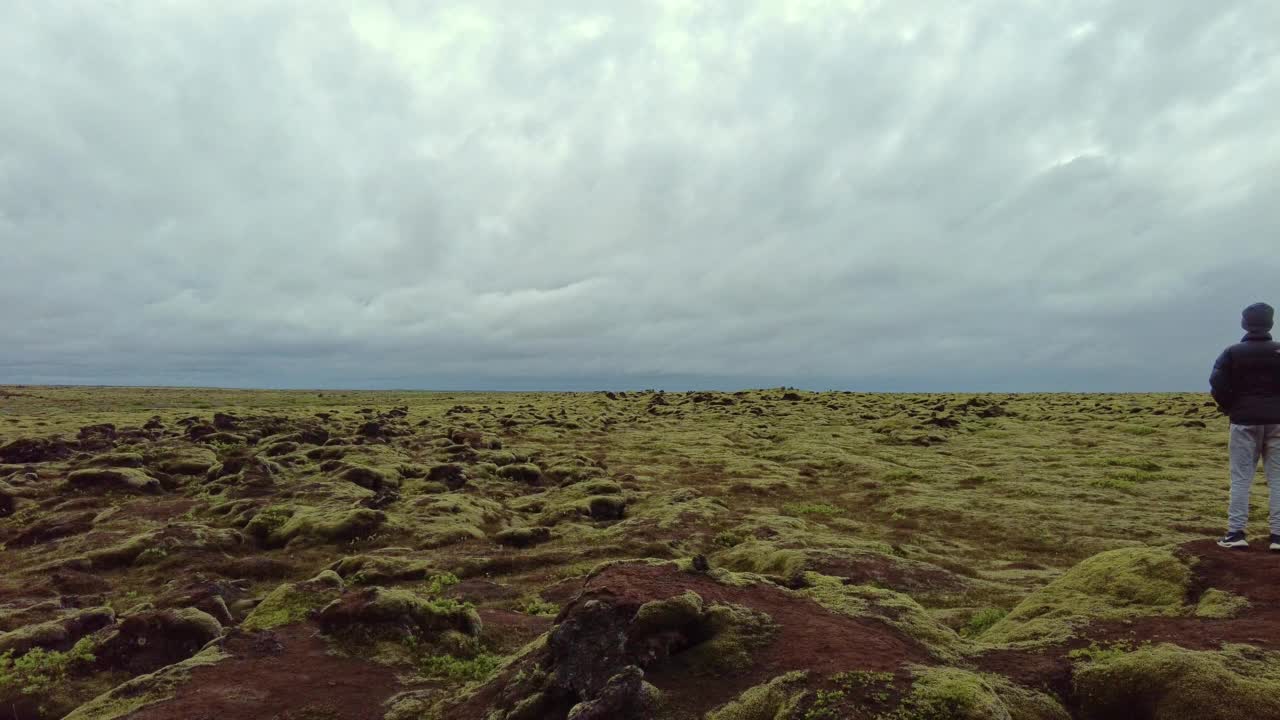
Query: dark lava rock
33	450
523	537
152	639
97	437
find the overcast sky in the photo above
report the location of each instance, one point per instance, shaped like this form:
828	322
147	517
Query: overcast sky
897	195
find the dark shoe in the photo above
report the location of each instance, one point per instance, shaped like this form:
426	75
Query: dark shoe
1275	542
1236	540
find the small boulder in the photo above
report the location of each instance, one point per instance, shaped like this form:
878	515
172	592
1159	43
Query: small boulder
97	437
25	451
58	634
523	537
451	475
607	507
522	472
368	477
399	611
152	639
105	479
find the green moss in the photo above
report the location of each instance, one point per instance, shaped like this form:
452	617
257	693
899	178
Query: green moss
521	472
1026	704
983	620
524	536
947	693
811	508
1136	463
369	477
125	479
318	525
54	633
442	520
670	614
777	699
1220	604
39	670
469	669
378	607
266	523
735	633
294	602
380	569
537	606
764	558
118	459
1172	683
1125	583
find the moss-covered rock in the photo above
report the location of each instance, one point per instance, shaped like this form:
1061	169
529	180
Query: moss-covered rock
947	693
176	537
607	507
294	602
670	614
123	479
121	459
58	634
451	475
151	639
1118	584
763	558
145	690
380	569
626	696
1167	682
368	477
440	520
523	537
733	633
183	460
1220	605
399	611
277	526
521	472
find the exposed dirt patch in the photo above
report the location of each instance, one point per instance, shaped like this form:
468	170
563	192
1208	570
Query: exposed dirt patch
511	629
280	674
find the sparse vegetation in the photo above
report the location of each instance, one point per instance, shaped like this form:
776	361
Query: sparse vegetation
792	555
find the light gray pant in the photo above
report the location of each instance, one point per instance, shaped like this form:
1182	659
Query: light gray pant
1248	444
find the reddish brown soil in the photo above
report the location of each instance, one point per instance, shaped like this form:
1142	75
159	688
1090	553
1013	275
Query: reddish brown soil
511	630
280	675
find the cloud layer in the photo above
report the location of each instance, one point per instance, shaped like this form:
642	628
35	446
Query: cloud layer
873	195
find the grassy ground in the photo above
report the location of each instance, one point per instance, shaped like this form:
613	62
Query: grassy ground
954	509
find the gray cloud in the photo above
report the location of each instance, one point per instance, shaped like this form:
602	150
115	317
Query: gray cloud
907	195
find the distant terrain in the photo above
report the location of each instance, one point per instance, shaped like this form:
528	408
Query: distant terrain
764	555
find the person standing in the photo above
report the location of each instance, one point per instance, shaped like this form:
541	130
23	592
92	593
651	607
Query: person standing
1245	384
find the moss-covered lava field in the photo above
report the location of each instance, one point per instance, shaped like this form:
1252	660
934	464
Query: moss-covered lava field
764	555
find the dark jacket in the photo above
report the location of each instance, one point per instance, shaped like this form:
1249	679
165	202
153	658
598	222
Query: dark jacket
1246	381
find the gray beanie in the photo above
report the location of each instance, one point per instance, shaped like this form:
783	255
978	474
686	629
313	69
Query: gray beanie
1257	317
